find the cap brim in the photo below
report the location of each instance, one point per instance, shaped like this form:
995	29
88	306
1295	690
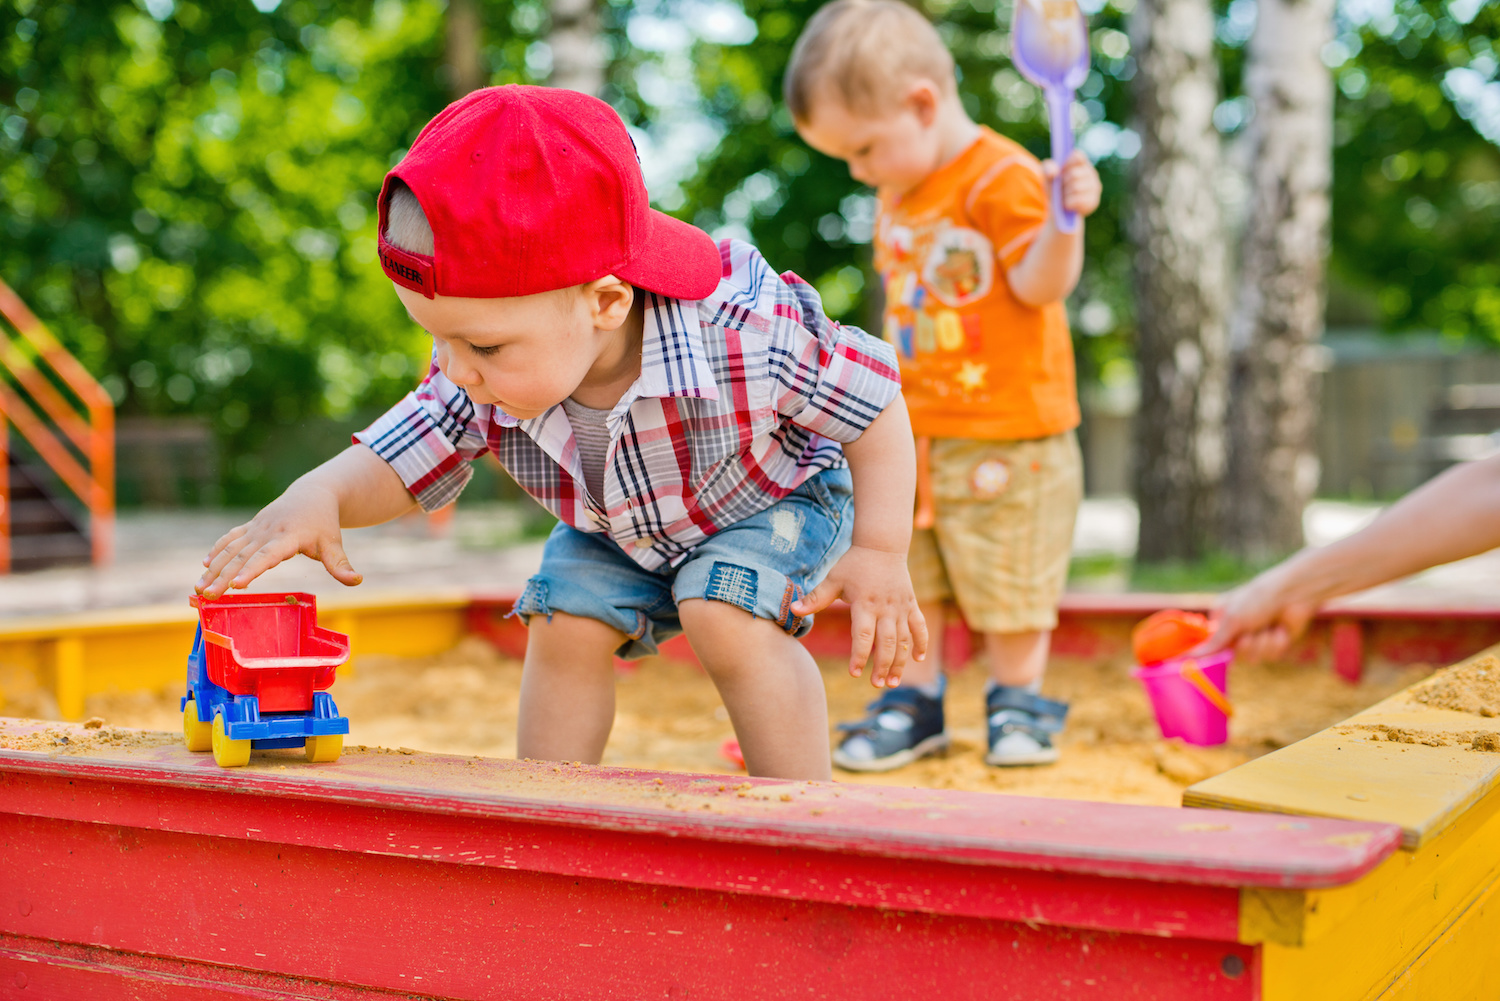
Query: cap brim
679	260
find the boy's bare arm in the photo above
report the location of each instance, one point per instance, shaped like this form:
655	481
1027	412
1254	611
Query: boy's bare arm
1050	268
1452	517
888	628
354	488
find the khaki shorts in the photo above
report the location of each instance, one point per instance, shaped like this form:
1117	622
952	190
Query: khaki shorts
1004	532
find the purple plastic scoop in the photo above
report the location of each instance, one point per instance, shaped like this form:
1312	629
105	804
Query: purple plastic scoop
1050	45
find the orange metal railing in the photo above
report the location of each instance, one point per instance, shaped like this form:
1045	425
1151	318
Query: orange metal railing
73	432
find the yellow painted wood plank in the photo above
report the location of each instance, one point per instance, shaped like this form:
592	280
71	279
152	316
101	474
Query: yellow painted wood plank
1462	965
1348	771
1354	942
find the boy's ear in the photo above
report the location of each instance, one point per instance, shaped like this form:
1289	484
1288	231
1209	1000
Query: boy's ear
924	97
609	301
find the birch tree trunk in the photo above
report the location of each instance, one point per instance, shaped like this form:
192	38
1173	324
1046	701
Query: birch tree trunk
462	47
1278	319
1177	229
578	53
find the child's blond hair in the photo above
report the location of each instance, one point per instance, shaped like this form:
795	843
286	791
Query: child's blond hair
865	51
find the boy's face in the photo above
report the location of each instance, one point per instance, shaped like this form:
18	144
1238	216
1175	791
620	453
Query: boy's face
892	152
525	354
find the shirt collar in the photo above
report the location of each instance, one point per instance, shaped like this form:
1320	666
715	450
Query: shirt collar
673	359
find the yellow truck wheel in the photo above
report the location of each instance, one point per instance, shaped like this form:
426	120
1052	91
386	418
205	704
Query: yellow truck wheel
228	753
324	748
198	735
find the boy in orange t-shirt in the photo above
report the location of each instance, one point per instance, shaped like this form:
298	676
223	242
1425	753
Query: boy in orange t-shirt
976	272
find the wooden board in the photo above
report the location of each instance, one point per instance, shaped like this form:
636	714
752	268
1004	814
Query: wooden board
1350	771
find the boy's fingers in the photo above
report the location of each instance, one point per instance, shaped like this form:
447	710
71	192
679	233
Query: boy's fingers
263	559
334	558
862	637
917	623
817	599
224	540
885	651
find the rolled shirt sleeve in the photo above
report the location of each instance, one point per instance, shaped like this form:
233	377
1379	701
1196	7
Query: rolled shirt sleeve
832	379
429	438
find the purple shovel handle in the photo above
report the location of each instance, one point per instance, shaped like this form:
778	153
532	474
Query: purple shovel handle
1060	124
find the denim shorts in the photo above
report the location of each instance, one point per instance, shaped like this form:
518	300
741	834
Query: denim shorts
762	564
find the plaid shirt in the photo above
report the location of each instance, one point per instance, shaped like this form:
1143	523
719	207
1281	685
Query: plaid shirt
742	396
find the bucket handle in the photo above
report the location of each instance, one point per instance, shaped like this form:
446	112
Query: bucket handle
1210	691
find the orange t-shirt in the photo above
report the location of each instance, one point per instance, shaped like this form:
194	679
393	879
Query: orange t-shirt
976	362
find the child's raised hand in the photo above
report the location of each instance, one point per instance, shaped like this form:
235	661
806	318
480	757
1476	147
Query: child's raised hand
303	520
1081	188
887	626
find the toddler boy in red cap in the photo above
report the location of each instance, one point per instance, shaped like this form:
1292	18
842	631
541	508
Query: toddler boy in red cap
700	428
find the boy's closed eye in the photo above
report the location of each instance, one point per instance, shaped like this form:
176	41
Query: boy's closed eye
484	350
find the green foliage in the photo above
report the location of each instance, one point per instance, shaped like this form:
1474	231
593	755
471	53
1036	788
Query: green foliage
1416	205
187	199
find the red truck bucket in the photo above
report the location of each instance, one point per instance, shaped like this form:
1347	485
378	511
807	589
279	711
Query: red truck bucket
270	647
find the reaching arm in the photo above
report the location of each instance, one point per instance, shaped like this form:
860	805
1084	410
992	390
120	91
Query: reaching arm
1050	269
888	628
1454	516
353	489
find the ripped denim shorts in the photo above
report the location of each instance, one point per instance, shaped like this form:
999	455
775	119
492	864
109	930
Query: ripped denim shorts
762	564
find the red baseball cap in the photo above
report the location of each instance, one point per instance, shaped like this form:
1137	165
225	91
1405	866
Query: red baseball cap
530	189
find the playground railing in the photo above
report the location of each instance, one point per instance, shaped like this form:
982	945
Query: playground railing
64	414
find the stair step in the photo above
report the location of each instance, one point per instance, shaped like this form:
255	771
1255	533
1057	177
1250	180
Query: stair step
36	552
38	517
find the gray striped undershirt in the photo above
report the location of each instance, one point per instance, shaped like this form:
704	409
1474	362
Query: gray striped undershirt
591	428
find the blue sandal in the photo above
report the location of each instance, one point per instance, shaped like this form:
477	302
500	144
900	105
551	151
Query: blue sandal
903	725
1021	727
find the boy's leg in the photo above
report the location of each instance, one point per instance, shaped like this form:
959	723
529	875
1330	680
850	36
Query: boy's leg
770	685
567	689
587	603
1018	660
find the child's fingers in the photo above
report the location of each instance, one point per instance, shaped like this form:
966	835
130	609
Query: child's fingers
817	599
884	651
271	554
337	563
215	571
916	622
224	540
862	638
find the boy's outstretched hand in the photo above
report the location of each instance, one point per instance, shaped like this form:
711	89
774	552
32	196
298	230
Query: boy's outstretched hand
888	628
1081	187
303	520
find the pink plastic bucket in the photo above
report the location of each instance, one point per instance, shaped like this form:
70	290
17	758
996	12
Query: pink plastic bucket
1182	709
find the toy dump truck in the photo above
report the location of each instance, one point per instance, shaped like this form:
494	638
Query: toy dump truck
257	678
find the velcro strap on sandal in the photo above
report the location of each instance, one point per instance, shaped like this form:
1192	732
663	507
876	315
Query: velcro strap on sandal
901	700
1019	707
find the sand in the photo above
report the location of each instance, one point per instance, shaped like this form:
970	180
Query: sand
670	717
1472	687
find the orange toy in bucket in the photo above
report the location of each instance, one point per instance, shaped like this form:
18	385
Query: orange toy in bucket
1167	634
1187	693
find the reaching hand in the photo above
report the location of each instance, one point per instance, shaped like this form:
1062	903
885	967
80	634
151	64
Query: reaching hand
1259	619
887	626
303	520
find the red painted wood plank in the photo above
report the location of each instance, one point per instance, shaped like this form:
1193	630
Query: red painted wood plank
1202	847
430	927
1079	901
32	969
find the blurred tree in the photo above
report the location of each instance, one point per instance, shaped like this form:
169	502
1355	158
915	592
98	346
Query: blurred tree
1278	321
1416	198
1179	241
187	194
579	54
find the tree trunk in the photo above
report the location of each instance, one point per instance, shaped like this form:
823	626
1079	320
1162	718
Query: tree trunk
465	70
1177	229
578	53
1278	320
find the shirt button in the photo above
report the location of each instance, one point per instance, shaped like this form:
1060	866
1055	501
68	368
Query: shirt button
643	543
